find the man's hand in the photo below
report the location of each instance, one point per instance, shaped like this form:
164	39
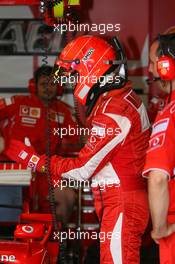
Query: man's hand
162	232
26	155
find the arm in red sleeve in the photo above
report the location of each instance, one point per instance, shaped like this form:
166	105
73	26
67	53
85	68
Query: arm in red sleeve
160	163
8	107
161	151
107	133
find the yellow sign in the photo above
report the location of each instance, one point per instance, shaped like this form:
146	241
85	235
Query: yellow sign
74	2
58	9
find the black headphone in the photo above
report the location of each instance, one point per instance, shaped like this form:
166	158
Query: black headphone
122	78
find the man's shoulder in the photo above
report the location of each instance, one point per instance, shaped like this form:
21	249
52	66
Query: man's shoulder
128	102
21	98
164	119
15	99
168	110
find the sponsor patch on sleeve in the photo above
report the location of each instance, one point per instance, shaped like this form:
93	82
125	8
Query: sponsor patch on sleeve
160	126
98	132
23	154
156	142
33	162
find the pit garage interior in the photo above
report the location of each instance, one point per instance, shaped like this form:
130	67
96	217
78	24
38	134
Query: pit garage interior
30	224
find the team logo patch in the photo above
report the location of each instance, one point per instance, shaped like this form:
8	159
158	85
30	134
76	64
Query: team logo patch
24	110
23	154
163	64
34	159
156	142
35	112
30	111
33	162
88	54
160	126
28	229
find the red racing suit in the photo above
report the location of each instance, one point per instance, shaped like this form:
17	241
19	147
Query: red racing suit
161	156
113	158
25	116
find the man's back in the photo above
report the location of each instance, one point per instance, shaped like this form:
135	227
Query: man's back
127	111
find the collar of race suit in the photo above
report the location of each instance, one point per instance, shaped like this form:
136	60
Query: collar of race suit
107	95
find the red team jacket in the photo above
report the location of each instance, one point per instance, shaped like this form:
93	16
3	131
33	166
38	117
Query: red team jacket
25	116
160	155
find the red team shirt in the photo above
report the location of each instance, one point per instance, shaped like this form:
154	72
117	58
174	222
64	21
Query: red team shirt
161	151
25	116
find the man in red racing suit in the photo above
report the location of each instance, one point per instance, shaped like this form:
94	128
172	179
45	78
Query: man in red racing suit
160	161
113	158
160	158
25	117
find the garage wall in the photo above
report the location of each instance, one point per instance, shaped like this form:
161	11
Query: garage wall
163	15
139	22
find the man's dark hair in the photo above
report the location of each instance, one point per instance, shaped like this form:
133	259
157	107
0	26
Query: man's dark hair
42	71
166	45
